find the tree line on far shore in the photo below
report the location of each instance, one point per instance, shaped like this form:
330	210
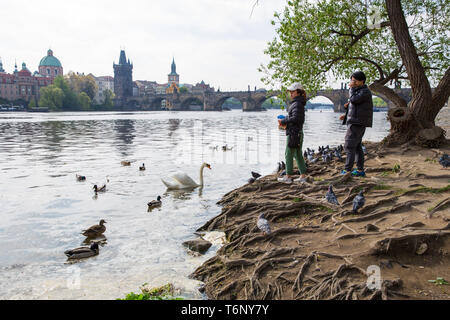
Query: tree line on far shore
72	92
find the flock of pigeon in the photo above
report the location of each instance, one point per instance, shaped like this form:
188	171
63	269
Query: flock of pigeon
95	232
358	201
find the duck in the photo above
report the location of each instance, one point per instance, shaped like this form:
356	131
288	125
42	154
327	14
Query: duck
142	168
83	252
80	178
95	230
183	181
125	163
97	189
226	148
154	203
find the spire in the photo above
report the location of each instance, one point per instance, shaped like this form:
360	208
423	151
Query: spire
123	58
174	67
15	67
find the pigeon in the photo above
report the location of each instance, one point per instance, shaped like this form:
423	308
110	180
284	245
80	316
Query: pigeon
445	160
263	224
330	196
358	202
283	165
251	180
255	175
305	155
314	160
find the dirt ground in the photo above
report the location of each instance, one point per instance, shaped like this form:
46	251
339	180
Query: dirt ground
318	250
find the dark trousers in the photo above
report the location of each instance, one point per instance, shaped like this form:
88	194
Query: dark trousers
353	146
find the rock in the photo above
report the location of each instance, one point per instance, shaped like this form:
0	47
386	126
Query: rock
370	227
198	245
422	249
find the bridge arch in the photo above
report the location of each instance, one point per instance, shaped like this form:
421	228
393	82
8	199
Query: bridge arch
186	103
156	103
220	102
319	101
276	100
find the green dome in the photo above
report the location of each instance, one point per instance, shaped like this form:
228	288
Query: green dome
50	60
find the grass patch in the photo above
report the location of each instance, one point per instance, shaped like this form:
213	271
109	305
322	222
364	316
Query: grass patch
402	192
298	199
430	160
382	187
165	292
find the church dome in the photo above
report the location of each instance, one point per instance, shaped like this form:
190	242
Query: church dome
49	60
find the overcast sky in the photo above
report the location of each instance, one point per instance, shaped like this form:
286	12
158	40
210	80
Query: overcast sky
217	41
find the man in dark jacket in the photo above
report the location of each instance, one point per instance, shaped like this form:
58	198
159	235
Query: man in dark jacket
294	132
359	115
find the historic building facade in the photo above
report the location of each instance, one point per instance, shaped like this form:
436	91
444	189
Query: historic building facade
123	79
25	86
103	83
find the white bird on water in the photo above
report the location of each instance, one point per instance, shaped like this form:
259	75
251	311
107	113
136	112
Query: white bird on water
181	180
263	224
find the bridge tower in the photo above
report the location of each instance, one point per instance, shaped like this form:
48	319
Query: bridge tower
123	79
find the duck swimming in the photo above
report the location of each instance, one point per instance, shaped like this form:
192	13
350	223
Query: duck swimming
155	203
125	163
95	230
142	168
97	189
82	252
80	178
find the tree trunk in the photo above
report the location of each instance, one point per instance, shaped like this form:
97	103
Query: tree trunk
424	106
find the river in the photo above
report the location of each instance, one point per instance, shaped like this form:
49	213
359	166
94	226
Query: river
44	208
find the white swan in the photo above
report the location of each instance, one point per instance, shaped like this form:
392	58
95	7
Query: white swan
181	180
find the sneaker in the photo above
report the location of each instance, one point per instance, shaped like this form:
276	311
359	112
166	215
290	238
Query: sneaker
285	179
358	173
344	172
300	180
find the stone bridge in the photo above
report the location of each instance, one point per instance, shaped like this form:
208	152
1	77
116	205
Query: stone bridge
251	100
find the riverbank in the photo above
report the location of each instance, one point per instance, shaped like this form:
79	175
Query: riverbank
322	251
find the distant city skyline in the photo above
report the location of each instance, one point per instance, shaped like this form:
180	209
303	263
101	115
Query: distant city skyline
219	41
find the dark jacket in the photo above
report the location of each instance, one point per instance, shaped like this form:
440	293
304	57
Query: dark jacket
296	116
360	108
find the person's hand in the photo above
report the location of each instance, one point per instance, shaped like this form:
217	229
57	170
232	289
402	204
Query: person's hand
342	117
346	105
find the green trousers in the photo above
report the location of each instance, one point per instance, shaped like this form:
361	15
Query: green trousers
296	153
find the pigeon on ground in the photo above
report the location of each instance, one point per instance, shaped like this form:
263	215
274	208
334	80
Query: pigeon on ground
263	224
310	157
358	202
251	180
314	160
255	175
445	160
305	154
330	196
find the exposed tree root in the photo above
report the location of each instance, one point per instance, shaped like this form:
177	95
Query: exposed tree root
317	250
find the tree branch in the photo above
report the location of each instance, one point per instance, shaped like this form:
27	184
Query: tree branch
442	91
388	93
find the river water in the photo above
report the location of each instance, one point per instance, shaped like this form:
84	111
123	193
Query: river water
44	208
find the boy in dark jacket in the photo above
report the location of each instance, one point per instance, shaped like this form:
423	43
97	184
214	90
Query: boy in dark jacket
294	132
358	116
